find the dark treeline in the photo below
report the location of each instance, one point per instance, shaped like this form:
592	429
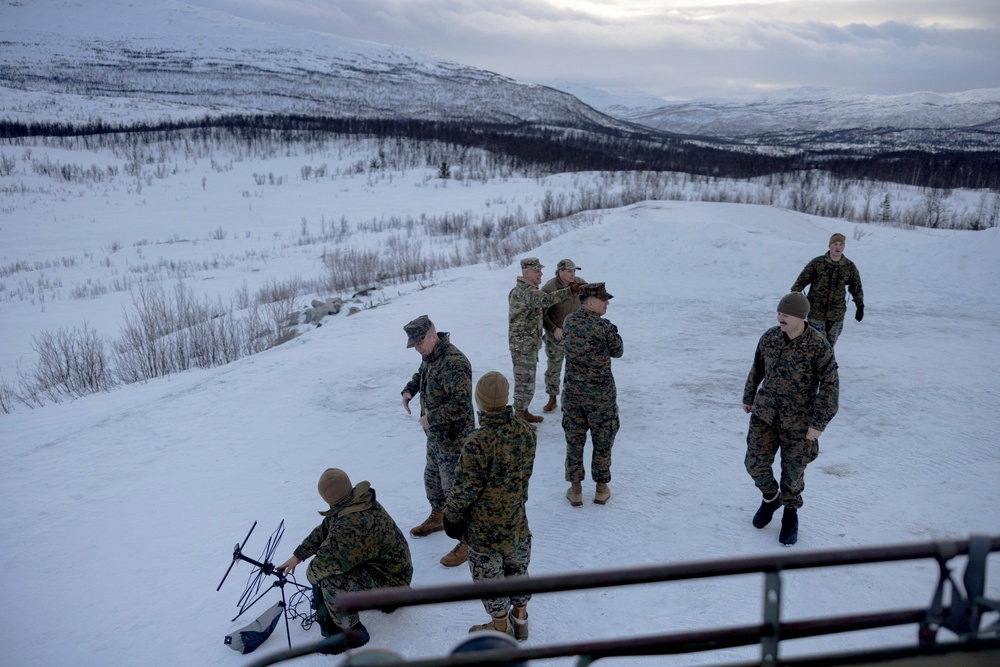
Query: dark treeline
561	149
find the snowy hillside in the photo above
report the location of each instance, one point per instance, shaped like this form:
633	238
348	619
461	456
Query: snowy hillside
73	62
121	509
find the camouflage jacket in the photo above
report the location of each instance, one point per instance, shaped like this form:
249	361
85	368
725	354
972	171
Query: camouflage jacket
491	483
358	532
554	316
526	303
827	300
798	380
444	382
590	341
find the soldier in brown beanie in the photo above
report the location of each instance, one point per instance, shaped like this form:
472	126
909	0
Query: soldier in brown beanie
796	372
358	547
827	275
486	503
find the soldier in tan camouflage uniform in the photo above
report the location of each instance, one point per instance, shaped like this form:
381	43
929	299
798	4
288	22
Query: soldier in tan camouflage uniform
444	382
524	331
358	547
796	371
486	504
828	274
552	322
590	398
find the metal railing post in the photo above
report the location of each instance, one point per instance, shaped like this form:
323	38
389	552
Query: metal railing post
772	619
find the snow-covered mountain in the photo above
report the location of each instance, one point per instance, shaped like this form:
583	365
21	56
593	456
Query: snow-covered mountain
818	117
67	61
72	62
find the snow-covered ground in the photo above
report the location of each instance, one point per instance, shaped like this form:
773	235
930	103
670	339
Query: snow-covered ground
121	509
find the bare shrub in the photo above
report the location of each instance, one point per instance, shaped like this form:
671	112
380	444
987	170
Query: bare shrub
73	362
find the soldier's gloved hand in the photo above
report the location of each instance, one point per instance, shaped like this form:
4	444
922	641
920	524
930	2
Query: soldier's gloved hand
859	313
455	529
575	288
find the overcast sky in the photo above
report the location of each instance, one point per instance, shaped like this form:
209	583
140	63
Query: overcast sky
677	48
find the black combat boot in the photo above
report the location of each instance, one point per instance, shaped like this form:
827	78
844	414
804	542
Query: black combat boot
766	510
789	534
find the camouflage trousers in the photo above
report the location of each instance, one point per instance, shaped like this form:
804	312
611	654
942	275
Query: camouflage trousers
358	579
439	471
555	351
763	443
599	415
831	330
483	567
525	365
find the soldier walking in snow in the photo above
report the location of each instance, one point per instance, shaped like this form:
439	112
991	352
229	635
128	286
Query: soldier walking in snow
524	331
486	503
358	547
590	398
444	382
796	371
552	321
827	275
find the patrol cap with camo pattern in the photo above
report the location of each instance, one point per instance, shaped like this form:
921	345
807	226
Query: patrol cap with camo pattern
531	263
417	329
595	290
567	265
795	304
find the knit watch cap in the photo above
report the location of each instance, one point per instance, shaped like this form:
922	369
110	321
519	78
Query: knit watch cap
492	391
837	238
334	486
795	304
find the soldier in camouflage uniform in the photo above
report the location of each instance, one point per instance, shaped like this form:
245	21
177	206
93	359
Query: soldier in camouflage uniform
552	322
524	331
796	371
486	504
358	547
589	392
444	382
828	274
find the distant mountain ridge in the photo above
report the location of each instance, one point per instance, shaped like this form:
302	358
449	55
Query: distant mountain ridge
815	117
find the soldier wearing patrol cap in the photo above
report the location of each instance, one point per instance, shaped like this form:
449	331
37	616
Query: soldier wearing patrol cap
552	321
590	398
444	382
526	304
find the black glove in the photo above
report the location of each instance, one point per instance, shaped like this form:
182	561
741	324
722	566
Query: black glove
455	529
859	313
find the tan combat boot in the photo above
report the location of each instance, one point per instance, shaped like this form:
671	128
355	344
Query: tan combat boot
532	419
602	494
456	556
551	405
501	624
519	621
432	524
574	494
523	416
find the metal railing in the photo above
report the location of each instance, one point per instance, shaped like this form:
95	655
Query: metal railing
960	608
